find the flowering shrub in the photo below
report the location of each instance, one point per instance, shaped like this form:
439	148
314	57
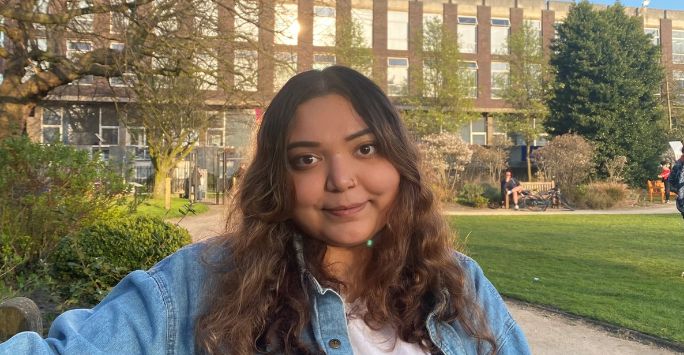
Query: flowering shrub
445	157
568	159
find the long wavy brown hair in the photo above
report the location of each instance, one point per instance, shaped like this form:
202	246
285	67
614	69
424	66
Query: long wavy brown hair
255	300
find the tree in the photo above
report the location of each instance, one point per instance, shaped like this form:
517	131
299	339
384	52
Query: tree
350	47
607	71
444	98
168	57
526	89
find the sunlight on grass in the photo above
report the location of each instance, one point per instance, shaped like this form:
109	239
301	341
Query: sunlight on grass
621	269
155	208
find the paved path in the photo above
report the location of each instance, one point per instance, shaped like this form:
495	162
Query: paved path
548	333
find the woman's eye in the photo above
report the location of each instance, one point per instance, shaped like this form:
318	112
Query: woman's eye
304	161
367	149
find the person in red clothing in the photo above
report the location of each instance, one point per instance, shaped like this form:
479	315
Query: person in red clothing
664	174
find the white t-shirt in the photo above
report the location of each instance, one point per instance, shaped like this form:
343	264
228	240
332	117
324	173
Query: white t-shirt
384	341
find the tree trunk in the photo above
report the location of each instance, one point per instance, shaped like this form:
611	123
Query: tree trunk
528	147
12	119
162	169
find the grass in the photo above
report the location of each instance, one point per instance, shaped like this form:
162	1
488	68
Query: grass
155	208
621	269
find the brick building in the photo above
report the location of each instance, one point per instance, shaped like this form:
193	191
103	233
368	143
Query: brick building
304	37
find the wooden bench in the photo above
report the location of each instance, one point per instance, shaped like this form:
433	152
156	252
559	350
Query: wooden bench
534	186
19	314
657	187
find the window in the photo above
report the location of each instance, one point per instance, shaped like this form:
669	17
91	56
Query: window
655	35
246	21
285	68
678	47
109	126
76	48
499	35
216	129
207	22
83	123
430	80
499	78
397	76
431	23
246	70
127	79
83	23
364	18
239	126
467	34
475	132
2	33
322	61
286	24
36	66
324	26
470	76
207	70
535	27
678	77
52	125
397	30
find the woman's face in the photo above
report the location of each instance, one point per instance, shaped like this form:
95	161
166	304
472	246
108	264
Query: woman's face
343	185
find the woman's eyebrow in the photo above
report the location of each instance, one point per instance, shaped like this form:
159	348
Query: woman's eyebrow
358	134
312	144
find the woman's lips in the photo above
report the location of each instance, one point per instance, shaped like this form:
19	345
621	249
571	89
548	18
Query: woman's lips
347	210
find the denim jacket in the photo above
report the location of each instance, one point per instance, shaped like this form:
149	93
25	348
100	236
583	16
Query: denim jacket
154	312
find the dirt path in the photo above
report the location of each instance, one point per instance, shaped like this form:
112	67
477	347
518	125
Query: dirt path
548	333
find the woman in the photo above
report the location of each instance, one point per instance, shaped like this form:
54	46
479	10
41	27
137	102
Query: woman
335	245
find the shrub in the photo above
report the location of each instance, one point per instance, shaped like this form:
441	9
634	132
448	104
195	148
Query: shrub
602	195
471	195
489	162
50	191
567	159
446	156
93	261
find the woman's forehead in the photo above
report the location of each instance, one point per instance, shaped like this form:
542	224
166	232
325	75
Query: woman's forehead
326	116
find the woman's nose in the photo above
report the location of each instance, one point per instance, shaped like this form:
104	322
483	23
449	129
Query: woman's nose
341	174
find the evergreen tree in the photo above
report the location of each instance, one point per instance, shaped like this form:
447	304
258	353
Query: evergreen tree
607	74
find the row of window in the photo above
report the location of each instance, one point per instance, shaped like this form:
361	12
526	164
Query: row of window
101	126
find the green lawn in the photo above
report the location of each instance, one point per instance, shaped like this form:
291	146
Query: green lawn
621	269
155	208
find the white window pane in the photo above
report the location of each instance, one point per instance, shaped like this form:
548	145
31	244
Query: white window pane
499	78
364	18
431	23
467	38
397	30
655	35
678	47
246	20
285	68
324	26
245	77
499	39
397	76
286	24
322	61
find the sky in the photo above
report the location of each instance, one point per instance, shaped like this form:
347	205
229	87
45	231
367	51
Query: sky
655	4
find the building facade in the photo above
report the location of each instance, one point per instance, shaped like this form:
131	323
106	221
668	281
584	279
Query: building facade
304	37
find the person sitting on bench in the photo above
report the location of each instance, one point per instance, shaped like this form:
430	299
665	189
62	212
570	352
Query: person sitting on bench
512	187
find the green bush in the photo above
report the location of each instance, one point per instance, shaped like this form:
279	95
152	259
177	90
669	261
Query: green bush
93	261
601	195
471	195
51	191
